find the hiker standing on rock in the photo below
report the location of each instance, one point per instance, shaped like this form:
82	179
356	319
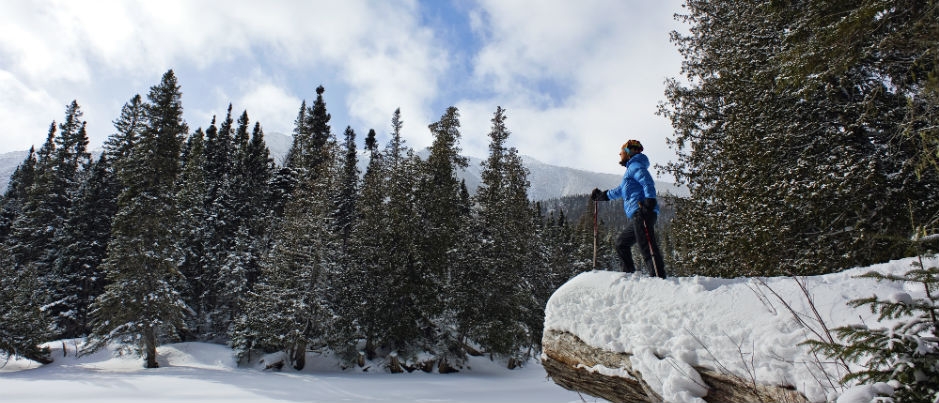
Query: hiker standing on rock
638	193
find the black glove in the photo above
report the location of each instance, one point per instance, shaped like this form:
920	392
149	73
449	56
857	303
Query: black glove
647	206
599	195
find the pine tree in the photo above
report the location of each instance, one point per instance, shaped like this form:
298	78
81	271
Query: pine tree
140	305
24	324
129	126
77	277
320	133
384	243
288	309
495	316
365	300
11	204
907	352
191	233
37	235
241	266
254	171
291	308
301	139
345	214
789	151
439	244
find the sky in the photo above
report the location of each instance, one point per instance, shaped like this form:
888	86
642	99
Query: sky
577	79
736	326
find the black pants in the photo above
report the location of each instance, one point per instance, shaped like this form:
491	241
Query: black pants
635	232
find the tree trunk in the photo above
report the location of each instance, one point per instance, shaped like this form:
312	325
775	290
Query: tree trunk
566	359
150	345
299	356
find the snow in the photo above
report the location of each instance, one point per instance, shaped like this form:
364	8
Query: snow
192	372
732	325
738	326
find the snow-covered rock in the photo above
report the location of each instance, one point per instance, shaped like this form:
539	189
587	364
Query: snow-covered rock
626	337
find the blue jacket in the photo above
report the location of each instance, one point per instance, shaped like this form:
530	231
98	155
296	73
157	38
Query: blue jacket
637	185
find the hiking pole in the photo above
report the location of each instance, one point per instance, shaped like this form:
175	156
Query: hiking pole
651	249
596	206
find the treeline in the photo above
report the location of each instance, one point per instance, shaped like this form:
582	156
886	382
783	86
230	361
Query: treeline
199	236
807	133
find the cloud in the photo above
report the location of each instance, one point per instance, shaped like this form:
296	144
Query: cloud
19	106
266	102
377	51
577	78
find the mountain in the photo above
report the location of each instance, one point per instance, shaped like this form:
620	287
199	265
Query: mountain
8	163
547	181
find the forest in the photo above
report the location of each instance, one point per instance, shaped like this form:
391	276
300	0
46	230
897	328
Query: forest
809	126
199	236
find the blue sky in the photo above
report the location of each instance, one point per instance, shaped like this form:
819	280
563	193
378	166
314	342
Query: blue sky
577	78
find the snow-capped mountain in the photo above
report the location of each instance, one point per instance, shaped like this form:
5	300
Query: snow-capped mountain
547	181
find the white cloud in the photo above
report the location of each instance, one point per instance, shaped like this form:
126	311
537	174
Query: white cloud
269	103
18	108
607	61
577	78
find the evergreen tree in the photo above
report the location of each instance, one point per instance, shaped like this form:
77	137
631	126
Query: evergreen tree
191	233
495	316
788	152
389	313
320	133
77	278
221	224
11	204
254	170
292	306
241	267
140	305
129	127
349	181
440	244
289	309
365	301
23	324
907	352
301	139
36	233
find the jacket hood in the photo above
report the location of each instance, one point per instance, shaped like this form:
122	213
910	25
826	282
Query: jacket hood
640	159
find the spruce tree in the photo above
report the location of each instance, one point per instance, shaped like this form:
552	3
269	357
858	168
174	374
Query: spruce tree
37	236
191	232
78	278
241	266
291	307
440	244
11	204
345	213
385	236
495	316
254	170
788	152
129	126
907	352
141	306
366	300
24	324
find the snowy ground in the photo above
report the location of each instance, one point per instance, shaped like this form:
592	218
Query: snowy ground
737	325
197	372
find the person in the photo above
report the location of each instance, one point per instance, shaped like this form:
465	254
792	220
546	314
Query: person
638	193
